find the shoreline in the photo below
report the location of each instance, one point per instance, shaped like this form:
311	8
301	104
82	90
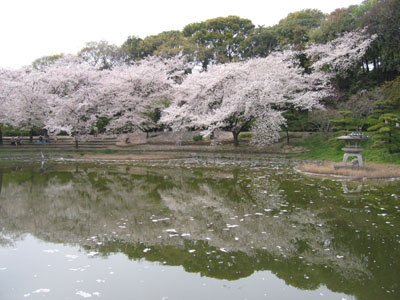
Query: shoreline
371	171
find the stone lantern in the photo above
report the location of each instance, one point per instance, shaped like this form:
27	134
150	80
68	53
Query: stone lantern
353	148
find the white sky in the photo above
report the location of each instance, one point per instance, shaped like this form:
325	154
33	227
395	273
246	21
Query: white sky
30	29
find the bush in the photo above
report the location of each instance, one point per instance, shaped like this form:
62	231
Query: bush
12	131
197	138
245	135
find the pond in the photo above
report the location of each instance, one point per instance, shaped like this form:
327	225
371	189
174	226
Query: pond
194	229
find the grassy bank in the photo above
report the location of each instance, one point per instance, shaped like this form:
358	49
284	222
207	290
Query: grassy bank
327	148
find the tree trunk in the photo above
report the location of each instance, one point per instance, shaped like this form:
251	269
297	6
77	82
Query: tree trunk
235	138
76	142
1	136
287	136
31	136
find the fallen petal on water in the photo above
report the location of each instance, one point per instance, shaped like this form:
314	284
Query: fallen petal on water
38	291
84	294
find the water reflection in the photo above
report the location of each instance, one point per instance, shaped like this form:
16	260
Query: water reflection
221	221
355	189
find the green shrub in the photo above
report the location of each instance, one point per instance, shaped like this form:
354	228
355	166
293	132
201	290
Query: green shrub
12	131
197	138
245	135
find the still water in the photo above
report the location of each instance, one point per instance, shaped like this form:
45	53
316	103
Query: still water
194	229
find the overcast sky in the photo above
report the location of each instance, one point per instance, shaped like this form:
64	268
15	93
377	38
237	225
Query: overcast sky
30	29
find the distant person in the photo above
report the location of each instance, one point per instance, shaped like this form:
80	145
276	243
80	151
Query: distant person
13	143
18	141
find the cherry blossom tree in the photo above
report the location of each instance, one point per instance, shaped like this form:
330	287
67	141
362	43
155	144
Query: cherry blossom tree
130	95
341	53
58	97
24	102
79	94
5	87
232	96
73	87
70	94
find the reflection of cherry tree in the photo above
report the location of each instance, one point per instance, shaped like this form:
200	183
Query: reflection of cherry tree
237	223
166	208
253	216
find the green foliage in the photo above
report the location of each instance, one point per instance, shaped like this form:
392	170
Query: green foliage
391	93
260	43
218	39
197	138
295	29
295	121
339	21
345	123
12	131
329	149
101	123
382	60
132	47
42	63
321	148
245	135
102	55
226	39
382	17
387	132
385	119
165	44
